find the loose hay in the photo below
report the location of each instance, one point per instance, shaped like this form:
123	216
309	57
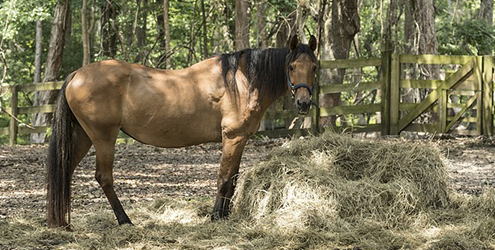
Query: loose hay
375	194
327	192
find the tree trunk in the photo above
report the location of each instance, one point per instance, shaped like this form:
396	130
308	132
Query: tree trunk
205	30
424	15
39	51
85	35
301	17
261	21
262	42
387	39
166	22
108	32
339	32
391	21
141	26
241	24
485	13
420	37
52	68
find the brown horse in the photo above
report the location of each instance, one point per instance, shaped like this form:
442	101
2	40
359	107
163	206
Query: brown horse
219	99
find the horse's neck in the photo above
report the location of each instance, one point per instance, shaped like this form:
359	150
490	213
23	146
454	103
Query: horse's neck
268	101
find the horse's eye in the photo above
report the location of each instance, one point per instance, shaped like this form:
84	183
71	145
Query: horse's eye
291	68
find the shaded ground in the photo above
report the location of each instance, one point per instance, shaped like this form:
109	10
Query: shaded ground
146	173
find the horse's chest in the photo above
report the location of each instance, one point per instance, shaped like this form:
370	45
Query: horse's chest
243	121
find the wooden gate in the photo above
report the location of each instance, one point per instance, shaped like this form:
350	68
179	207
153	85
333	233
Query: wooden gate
464	95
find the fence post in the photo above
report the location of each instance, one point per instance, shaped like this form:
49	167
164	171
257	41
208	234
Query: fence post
13	129
386	81
442	110
394	94
478	68
315	123
487	86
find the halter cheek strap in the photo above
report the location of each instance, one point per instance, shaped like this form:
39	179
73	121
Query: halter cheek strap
293	88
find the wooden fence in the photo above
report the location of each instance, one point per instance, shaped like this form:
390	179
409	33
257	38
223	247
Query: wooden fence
459	101
463	95
14	110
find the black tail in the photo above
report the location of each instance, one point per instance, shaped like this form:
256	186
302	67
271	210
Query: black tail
59	162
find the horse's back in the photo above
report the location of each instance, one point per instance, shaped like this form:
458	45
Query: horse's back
158	107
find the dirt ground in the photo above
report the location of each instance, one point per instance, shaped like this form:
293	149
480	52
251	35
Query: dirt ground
144	173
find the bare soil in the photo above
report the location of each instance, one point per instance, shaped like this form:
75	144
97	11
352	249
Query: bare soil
145	173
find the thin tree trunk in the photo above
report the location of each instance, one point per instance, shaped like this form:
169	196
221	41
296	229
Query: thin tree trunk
166	22
205	30
261	20
301	17
485	13
261	41
108	29
192	40
39	50
52	68
140	28
241	24
85	35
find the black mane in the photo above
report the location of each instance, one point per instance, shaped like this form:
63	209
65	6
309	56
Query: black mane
265	69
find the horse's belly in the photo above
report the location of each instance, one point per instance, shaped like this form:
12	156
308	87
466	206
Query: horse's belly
173	133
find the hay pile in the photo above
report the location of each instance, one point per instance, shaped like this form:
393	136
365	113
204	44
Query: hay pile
336	191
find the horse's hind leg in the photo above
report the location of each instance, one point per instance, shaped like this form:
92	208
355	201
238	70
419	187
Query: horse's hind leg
82	144
105	154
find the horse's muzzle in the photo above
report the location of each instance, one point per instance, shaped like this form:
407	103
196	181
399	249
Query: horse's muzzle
303	106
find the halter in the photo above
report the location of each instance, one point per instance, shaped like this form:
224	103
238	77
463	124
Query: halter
293	88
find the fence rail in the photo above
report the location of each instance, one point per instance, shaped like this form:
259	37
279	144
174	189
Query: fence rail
470	82
14	110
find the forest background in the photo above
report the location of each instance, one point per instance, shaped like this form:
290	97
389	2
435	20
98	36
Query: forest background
48	39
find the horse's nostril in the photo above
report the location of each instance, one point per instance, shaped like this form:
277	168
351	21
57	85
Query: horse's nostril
302	105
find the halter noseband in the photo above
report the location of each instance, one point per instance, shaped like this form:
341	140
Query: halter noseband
293	88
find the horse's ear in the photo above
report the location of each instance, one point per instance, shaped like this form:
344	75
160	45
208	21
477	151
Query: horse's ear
312	43
293	42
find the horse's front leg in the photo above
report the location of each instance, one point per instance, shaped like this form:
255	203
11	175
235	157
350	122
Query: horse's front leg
232	149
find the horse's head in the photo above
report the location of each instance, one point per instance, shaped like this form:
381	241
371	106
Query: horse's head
301	67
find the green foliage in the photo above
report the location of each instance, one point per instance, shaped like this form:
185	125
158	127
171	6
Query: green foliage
458	29
455	24
18	22
448	42
478	34
370	29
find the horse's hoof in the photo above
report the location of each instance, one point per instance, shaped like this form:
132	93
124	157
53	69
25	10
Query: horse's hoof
221	215
126	222
68	228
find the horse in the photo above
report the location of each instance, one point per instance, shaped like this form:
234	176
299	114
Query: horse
221	99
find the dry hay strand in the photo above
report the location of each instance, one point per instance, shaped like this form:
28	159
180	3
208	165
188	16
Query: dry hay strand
333	188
